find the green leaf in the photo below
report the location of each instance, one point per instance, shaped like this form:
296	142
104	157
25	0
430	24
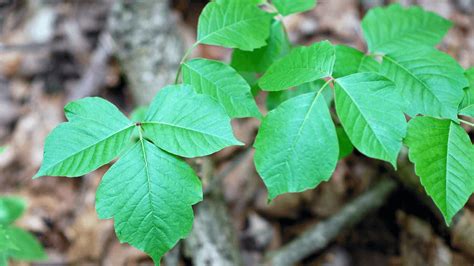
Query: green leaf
287	7
11	208
371	115
95	109
199	128
251	79
296	146
275	98
6	243
139	114
395	28
345	144
223	84
3	259
468	111
261	59
444	159
2	149
95	134
28	248
149	193
233	24
350	61
467	104
431	82
301	65
253	2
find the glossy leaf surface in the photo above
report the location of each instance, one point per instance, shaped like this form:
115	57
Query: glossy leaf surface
444	159
301	65
371	115
296	146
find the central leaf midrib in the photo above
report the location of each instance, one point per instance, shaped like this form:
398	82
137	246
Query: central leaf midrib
365	118
318	69
217	88
145	158
415	77
446	170
183	128
298	134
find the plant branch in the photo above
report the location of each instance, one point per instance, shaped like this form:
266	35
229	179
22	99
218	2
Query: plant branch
185	57
466	122
319	236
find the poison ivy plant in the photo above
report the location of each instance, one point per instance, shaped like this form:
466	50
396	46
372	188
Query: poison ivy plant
148	191
402	74
323	102
16	243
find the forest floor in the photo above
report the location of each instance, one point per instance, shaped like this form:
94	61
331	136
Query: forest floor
46	50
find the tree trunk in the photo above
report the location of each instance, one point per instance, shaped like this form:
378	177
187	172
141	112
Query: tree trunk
149	46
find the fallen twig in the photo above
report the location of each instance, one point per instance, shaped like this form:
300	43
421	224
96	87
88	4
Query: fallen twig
213	240
319	236
94	76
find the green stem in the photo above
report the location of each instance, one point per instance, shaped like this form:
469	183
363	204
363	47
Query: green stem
185	57
375	55
271	8
324	86
140	132
467	122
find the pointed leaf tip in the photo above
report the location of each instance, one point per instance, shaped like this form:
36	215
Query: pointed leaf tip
444	159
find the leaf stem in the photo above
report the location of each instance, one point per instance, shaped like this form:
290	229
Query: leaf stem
271	7
375	55
140	133
185	57
324	86
466	122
